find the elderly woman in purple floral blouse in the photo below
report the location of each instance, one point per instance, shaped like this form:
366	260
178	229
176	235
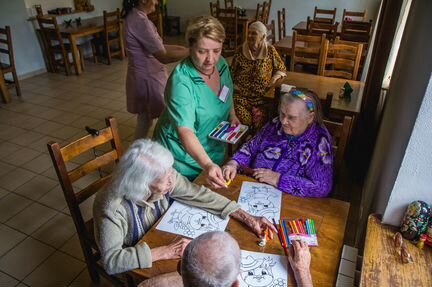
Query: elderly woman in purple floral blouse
293	152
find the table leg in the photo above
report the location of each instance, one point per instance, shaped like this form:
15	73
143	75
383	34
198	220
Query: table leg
75	55
4	90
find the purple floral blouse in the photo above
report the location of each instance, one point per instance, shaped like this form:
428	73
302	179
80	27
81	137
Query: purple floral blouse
305	162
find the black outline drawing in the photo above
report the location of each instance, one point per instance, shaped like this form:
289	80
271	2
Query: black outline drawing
260	201
258	272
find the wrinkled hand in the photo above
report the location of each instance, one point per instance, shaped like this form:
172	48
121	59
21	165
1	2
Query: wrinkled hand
214	176
229	170
299	259
267	176
170	251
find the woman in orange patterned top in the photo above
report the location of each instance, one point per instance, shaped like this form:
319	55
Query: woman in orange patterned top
255	67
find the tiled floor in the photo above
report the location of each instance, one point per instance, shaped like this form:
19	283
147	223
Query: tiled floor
38	242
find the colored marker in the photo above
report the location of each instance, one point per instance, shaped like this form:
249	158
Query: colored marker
222	130
217	129
228	182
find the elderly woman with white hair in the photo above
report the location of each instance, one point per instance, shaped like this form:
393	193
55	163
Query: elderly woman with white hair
143	186
254	68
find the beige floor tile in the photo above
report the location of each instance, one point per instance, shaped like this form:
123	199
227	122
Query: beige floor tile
15	178
48	127
41	144
26	138
54	199
31	218
65	132
56	231
83	121
7	281
9	132
83	280
65	118
12	204
25	257
100	113
3	192
9	238
5	168
37	187
84	110
73	248
31	123
39	164
57	271
49	114
21	156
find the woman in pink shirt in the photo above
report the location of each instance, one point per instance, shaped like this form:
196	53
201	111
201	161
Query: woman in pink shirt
147	73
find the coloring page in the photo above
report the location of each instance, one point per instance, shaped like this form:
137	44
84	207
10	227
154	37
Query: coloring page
261	200
262	269
190	221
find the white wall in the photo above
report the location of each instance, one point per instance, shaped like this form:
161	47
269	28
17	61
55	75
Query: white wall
296	10
28	53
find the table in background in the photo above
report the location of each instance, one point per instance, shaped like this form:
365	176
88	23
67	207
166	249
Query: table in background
301	27
330	217
382	267
284	46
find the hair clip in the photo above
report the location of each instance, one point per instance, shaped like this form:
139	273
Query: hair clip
307	100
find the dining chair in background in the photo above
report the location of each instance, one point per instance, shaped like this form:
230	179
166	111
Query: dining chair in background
56	49
307	51
229	4
281	16
102	149
214	7
262	12
353	15
324	15
356	31
7	64
271	32
229	19
317	28
111	43
341	60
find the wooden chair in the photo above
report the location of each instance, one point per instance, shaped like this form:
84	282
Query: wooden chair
356	31
340	133
213	8
353	15
57	51
112	42
61	155
262	12
341	60
318	28
281	23
7	63
324	15
171	23
229	4
271	32
229	19
307	50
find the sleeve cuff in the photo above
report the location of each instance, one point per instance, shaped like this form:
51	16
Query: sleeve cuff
144	255
230	208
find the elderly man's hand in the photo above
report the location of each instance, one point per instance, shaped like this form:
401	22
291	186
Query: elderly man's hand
170	251
299	259
267	176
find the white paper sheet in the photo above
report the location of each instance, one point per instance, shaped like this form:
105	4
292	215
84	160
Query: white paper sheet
262	269
190	221
261	200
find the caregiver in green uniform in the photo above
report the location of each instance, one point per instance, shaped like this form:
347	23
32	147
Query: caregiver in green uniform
198	97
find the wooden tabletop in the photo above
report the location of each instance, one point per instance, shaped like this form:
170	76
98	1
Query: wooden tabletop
88	26
330	217
301	27
382	266
284	45
322	85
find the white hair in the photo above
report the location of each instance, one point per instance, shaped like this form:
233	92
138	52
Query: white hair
211	260
259	26
142	163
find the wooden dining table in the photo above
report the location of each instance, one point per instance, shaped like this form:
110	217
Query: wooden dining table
301	27
330	216
88	27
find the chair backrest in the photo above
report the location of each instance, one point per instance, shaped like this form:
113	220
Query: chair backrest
324	15
340	133
229	19
262	12
353	15
6	46
341	60
213	8
356	31
229	4
307	49
326	105
111	22
317	28
271	32
50	31
108	140
281	23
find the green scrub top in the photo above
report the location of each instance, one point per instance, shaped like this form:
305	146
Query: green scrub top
191	103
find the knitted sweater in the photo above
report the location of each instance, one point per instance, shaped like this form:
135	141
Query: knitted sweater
304	162
120	223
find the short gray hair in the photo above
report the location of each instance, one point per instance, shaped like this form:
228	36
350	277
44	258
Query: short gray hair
142	163
211	260
259	26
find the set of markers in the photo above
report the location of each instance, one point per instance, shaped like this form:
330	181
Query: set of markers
226	133
302	229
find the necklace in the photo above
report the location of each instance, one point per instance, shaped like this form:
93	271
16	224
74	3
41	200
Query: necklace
208	75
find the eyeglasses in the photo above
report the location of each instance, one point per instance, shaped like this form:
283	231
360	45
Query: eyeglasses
307	100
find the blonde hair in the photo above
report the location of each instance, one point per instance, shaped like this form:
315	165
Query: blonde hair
205	26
